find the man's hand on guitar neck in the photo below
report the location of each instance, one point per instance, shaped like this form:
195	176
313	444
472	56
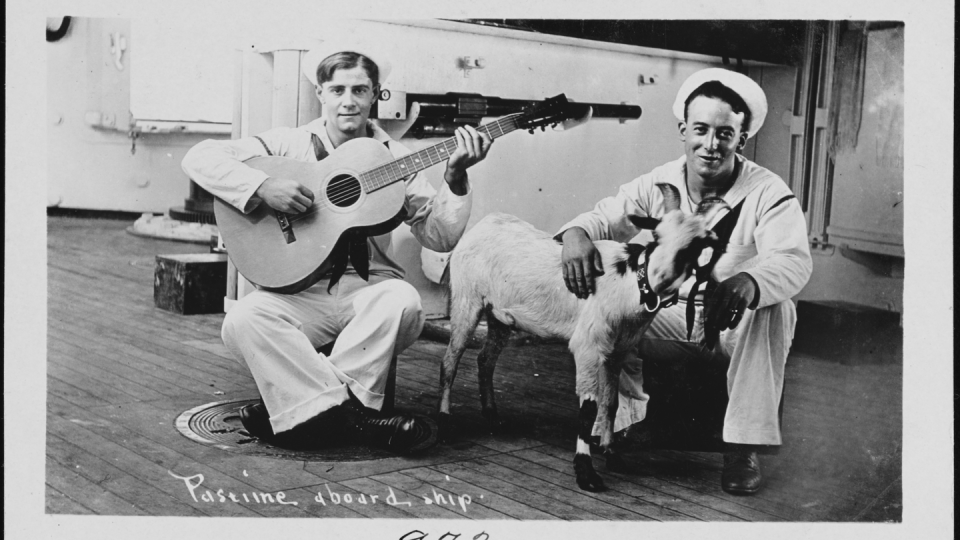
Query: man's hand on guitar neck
288	196
472	147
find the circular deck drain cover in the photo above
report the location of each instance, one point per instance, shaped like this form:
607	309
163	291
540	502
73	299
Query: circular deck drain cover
218	424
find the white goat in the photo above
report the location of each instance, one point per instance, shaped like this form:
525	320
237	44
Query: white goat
505	268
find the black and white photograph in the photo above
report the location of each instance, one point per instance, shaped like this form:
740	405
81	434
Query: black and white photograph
417	271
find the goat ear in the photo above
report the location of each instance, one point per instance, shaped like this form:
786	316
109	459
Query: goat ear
671	196
644	222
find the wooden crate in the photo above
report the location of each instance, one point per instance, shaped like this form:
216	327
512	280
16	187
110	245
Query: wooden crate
190	284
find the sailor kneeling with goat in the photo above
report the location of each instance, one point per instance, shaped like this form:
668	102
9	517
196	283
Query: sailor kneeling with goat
741	312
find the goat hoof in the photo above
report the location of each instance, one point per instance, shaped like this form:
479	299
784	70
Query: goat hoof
591	482
587	477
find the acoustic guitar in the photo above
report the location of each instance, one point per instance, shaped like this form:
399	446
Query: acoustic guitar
358	185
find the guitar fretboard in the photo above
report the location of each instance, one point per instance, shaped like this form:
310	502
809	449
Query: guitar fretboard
384	175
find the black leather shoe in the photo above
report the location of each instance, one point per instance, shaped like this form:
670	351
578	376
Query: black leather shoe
399	433
741	472
328	427
256	420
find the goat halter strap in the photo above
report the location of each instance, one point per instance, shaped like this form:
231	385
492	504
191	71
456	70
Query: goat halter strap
647	295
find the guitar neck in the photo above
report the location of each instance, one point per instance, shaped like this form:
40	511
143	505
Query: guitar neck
394	171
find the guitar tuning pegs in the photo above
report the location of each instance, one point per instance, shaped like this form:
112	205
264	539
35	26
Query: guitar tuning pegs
543	128
532	131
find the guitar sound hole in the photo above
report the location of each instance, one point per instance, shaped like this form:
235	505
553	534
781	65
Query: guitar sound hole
343	190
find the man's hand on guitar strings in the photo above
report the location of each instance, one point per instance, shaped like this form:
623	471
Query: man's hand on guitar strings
472	148
288	196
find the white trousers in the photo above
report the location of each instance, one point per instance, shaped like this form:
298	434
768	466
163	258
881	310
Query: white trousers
757	350
276	336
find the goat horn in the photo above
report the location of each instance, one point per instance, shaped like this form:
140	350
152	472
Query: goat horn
709	207
671	196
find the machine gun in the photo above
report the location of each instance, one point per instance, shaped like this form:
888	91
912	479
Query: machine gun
441	114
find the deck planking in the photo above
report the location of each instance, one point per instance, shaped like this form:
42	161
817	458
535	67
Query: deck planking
120	371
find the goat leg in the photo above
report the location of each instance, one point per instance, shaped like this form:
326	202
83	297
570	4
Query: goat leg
609	397
462	326
497	335
587	477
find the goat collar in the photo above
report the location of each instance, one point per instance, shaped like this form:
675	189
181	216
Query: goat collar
648	297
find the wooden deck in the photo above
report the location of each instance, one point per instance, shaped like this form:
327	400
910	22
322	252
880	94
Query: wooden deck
120	371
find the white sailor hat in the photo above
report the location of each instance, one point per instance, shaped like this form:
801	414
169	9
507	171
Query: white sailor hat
311	60
744	86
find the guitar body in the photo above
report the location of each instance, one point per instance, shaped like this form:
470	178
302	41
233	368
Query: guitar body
294	260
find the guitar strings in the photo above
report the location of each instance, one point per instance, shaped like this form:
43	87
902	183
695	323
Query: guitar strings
354	189
344	191
337	194
373	173
349	190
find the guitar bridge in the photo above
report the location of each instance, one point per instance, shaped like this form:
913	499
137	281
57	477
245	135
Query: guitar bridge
286	228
